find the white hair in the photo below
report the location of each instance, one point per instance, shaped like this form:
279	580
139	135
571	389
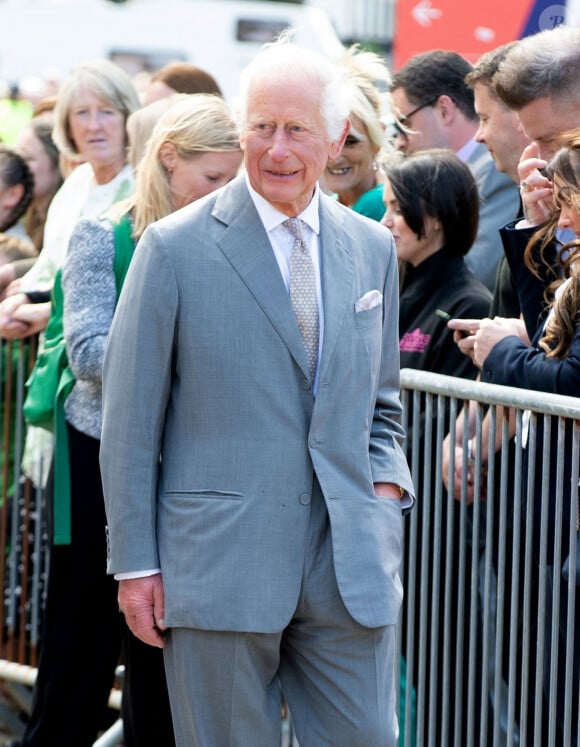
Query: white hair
281	60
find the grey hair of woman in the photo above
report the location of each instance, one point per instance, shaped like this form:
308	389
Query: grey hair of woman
107	81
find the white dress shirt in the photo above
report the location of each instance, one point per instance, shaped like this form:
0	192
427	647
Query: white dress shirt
282	242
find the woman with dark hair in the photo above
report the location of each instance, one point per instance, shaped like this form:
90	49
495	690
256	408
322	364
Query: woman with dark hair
16	186
36	146
432	211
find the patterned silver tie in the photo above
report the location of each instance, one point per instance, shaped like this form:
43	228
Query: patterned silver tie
303	296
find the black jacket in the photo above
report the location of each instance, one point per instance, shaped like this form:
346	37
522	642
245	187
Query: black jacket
440	282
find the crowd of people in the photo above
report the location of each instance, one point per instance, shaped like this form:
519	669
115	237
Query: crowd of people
239	289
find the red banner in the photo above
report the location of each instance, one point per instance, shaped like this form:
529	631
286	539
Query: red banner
466	27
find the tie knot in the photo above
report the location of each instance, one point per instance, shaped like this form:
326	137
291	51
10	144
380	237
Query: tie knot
294	225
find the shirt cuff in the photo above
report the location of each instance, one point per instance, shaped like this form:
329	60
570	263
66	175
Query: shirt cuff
136	574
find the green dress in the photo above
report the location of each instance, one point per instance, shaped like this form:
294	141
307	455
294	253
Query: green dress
371	203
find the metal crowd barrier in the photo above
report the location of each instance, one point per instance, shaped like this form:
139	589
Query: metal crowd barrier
490	627
22	531
23	544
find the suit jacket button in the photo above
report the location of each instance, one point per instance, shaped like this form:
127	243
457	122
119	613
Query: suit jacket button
305	499
306	384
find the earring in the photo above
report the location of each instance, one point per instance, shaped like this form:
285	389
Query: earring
375	166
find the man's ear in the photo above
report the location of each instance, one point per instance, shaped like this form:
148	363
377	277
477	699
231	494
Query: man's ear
338	144
168	156
447	108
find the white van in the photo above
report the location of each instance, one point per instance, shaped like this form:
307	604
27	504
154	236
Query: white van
220	36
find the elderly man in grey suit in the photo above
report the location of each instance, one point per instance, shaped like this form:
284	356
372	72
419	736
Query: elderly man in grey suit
251	449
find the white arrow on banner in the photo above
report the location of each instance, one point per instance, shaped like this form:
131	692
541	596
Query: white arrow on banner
424	13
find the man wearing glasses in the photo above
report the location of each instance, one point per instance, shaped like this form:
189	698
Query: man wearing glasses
433	108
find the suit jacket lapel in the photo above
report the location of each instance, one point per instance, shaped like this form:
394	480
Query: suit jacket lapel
246	245
336	267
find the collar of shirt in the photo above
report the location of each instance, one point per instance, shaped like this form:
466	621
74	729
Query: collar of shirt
465	152
271	218
282	240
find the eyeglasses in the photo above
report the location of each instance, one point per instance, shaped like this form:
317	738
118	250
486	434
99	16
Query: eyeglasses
404	120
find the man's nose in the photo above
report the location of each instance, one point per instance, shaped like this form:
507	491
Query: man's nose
401	142
279	147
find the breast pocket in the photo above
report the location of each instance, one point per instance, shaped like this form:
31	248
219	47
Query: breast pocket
369	318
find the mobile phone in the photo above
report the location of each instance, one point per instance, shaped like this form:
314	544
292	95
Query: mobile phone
447	317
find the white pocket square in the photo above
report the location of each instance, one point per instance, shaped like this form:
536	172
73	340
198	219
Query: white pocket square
368	301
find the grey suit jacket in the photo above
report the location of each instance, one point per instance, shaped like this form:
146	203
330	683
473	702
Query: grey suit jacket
499	204
211	435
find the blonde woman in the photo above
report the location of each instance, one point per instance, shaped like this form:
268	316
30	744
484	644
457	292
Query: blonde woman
193	150
354	175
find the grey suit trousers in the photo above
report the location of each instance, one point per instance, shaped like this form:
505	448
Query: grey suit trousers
336	675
